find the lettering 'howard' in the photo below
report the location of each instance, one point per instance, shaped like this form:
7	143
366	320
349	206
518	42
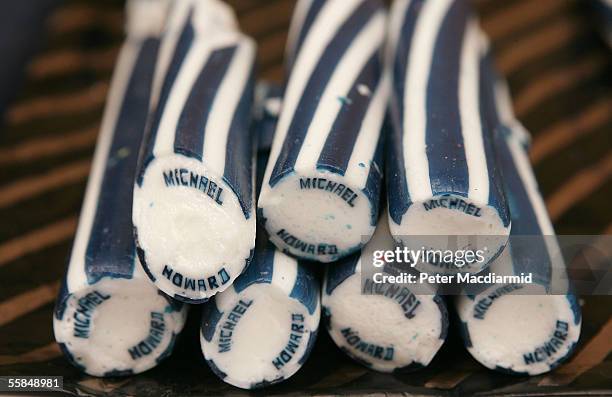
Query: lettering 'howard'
184	177
227	329
550	347
373	350
453	203
345	193
318	249
83	312
295	337
201	284
157	327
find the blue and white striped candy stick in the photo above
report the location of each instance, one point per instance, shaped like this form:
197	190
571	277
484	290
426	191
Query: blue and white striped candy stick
193	208
442	177
261	330
522	328
321	188
109	318
500	109
386	327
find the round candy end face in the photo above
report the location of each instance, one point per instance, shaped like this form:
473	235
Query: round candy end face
385	332
475	227
529	334
118	327
261	337
317	217
194	234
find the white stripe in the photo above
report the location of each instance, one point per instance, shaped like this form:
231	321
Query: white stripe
469	108
145	18
175	25
365	44
525	171
331	17
297	22
76	276
396	21
503	102
285	272
196	58
365	146
558	277
225	104
415	98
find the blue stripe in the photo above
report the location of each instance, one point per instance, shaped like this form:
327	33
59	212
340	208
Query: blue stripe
191	126
397	191
210	318
180	52
374	181
267	383
111	250
528	254
313	11
166	353
238	172
339	271
173	304
142	256
68	354
489	120
561	360
316	85
464	331
259	270
444	321
488	78
118	372
306	287
213	367
509	371
311	342
448	169
62	298
340	142
576	309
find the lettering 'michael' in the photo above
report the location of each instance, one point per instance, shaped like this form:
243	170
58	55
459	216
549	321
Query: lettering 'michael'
227	329
402	295
82	314
453	203
188	178
340	190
